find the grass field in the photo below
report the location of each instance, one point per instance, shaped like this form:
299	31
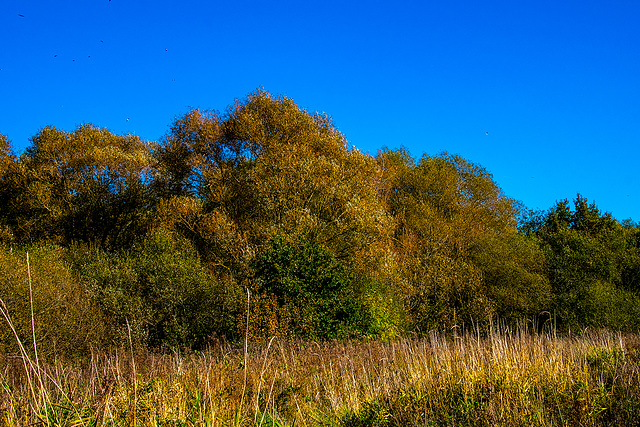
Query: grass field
506	378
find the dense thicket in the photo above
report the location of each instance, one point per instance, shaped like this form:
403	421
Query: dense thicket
592	262
164	243
461	258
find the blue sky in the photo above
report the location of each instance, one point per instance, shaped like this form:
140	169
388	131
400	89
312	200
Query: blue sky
554	83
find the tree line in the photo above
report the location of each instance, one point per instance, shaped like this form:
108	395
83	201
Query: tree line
261	221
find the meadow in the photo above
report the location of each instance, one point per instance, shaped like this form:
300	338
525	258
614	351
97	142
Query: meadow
508	378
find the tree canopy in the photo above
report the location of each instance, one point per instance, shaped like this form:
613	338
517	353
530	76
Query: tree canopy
267	201
592	262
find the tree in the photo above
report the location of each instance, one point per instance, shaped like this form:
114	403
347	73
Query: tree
85	185
182	155
454	228
268	168
7	158
592	263
9	188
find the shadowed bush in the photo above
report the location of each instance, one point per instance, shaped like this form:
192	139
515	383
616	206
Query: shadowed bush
158	292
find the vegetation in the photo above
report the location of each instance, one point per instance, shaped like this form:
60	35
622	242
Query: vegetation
508	378
593	265
261	222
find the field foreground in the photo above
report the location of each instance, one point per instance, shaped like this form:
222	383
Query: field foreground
506	378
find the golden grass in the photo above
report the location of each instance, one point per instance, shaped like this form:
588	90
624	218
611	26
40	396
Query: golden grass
503	379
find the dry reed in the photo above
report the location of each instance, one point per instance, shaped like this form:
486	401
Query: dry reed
506	378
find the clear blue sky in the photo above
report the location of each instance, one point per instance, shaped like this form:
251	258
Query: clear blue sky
556	84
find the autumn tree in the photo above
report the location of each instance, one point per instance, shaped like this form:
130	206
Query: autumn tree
456	240
7	158
267	168
182	155
89	184
9	189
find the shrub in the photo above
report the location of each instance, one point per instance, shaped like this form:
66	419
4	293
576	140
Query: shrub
67	321
302	290
158	292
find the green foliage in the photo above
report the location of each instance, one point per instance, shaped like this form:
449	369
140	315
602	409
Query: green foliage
303	291
592	264
158	292
602	304
513	271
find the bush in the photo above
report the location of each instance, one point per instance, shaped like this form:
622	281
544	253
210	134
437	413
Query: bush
513	272
302	290
67	321
158	292
601	304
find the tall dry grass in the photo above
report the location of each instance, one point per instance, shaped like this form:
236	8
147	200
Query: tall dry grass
507	378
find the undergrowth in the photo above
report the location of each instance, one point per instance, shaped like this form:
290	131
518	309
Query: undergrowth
508	378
